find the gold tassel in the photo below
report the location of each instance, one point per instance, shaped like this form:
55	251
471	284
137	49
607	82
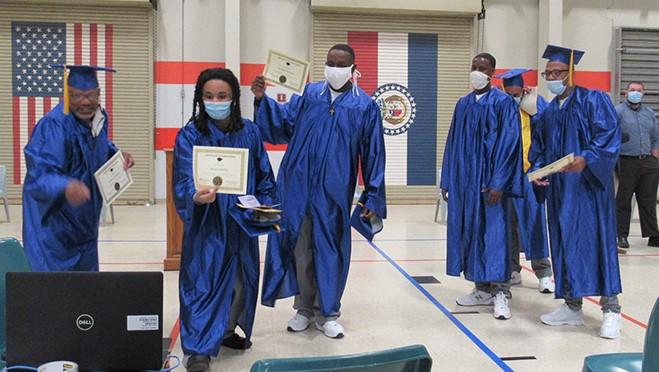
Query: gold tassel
66	91
571	68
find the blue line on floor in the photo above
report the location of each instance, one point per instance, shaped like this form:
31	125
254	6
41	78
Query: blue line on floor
495	358
131	241
406	240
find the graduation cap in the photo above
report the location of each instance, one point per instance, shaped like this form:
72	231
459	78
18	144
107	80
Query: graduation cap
568	56
366	227
81	77
512	78
254	227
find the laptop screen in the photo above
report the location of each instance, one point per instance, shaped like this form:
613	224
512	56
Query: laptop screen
99	320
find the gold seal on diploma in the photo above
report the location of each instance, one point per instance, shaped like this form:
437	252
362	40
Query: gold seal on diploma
217	181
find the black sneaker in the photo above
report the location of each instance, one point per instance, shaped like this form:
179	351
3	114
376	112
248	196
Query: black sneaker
198	363
236	342
623	243
653	241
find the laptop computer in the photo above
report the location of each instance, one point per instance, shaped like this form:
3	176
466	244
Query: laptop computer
99	320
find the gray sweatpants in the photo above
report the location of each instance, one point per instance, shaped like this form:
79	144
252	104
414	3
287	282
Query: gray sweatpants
608	304
306	303
541	267
237	303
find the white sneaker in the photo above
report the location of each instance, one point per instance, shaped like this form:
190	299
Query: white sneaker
331	329
475	298
563	315
298	323
515	278
546	285
501	309
611	325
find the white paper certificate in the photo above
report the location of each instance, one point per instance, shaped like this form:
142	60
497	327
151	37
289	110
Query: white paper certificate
112	179
286	71
221	167
552	168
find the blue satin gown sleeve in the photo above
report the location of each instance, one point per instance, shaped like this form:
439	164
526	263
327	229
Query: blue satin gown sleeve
541	105
182	179
373	161
46	157
537	154
277	121
448	150
265	179
506	174
601	153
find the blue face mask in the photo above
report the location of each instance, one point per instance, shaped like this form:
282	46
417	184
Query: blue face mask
218	110
556	86
634	97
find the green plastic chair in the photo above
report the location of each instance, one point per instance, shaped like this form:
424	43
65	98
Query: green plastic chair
647	361
413	358
12	259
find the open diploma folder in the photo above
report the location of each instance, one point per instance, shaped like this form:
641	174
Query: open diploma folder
552	168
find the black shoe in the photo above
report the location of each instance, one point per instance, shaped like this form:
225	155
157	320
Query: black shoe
623	243
236	342
653	241
198	363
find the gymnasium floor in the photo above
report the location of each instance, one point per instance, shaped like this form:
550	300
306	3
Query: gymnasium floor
384	306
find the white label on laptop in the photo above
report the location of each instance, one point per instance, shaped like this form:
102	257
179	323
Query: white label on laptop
142	323
249	201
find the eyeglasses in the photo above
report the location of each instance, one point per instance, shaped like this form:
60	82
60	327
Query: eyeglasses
92	96
555	74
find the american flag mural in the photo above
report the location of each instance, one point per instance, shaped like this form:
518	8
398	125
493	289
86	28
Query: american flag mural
37	87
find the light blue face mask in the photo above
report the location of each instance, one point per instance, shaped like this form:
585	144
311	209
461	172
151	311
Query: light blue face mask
218	110
634	97
556	86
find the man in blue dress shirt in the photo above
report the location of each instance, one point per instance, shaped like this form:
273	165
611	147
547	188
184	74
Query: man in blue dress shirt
638	169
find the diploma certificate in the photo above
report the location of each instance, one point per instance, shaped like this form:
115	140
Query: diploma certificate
552	168
221	167
112	179
286	71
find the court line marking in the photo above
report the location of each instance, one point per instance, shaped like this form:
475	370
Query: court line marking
495	358
592	300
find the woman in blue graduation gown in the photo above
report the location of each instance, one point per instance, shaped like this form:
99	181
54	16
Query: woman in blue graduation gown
219	273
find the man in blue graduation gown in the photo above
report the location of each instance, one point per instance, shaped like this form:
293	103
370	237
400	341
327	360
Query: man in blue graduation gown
527	224
61	201
330	129
482	168
580	200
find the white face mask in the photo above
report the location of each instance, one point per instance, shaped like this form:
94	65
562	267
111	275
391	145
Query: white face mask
518	99
478	80
337	77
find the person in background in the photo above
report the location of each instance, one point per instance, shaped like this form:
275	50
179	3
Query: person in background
638	167
528	224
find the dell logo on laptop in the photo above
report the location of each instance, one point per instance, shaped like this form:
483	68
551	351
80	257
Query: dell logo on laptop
85	322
